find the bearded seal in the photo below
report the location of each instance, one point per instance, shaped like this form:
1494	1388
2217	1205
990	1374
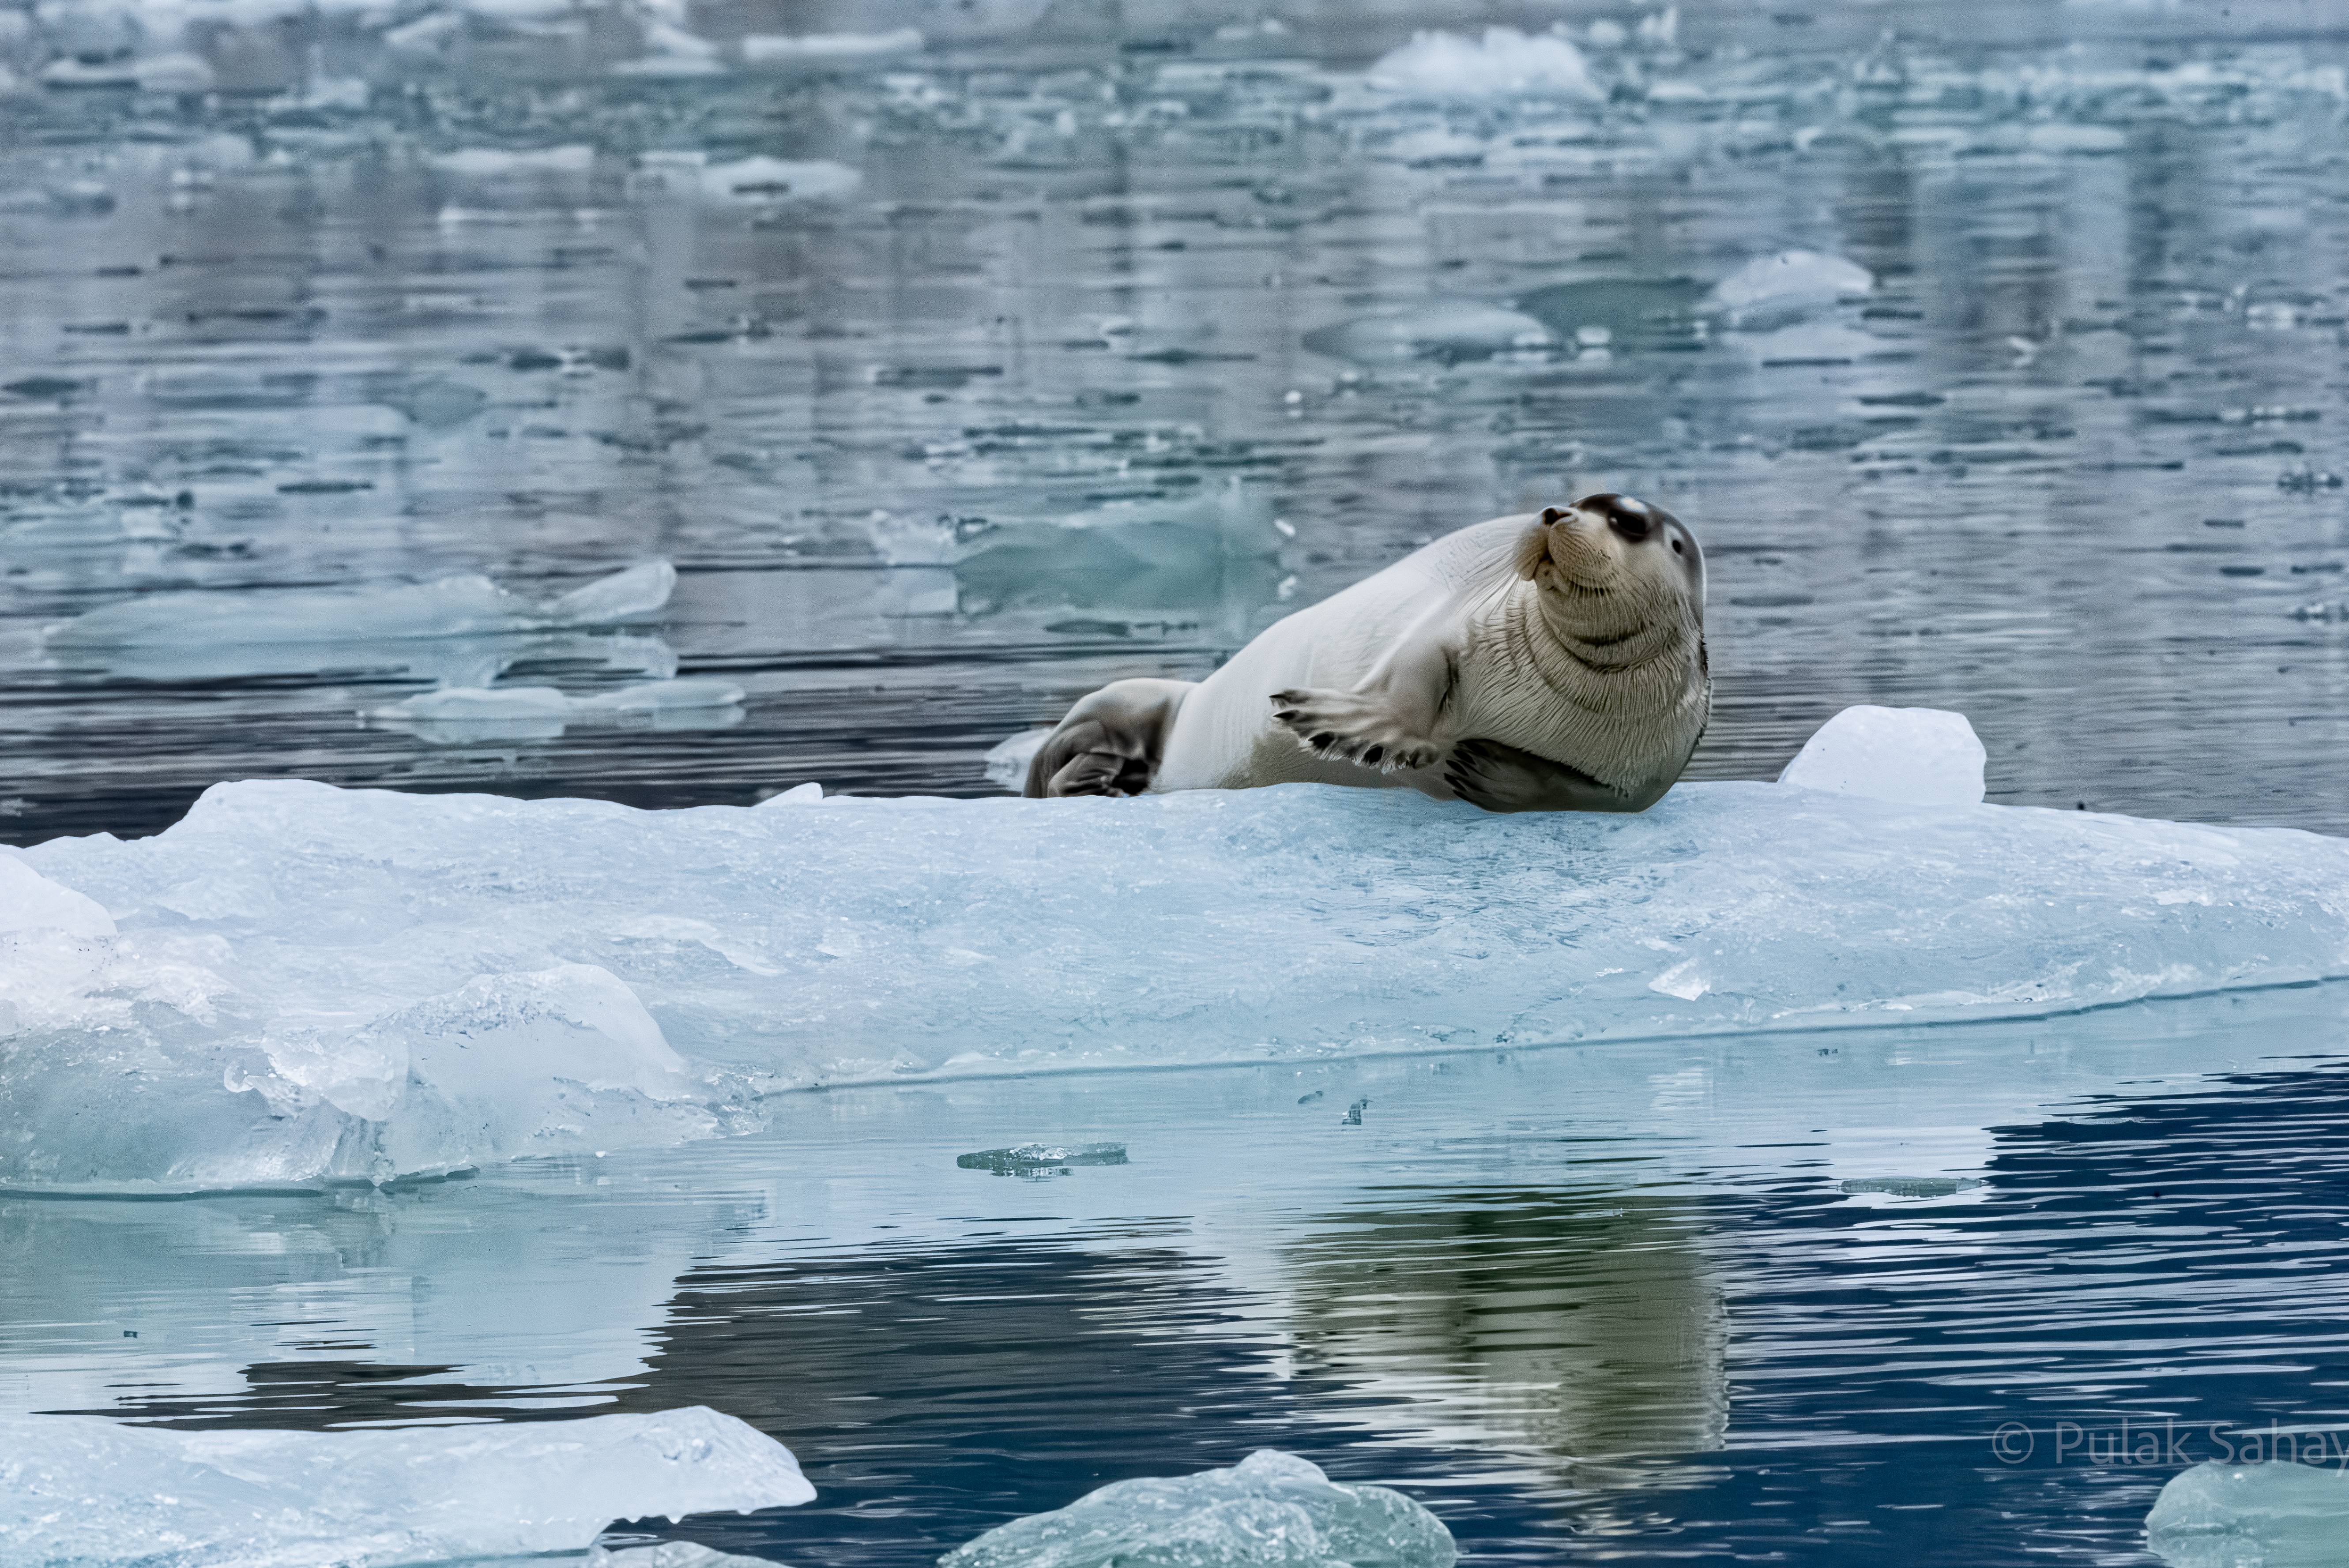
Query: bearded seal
1544	662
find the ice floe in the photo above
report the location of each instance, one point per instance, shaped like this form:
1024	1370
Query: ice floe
1790	280
2272	1515
1448	329
79	1492
304	983
465	605
464	715
778	48
1914	756
1272	1510
1503	63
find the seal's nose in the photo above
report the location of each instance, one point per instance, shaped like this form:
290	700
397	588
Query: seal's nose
1627	515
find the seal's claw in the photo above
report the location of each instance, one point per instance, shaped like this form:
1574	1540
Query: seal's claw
1352	727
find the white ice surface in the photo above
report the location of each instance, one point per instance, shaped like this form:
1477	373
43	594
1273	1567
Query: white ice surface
1911	756
306	982
2275	1514
772	48
79	1492
464	605
1503	63
1270	1511
451	703
1461	328
1790	279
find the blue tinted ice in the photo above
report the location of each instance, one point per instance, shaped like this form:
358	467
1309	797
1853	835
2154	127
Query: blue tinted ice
1270	1511
303	983
79	1492
2272	1515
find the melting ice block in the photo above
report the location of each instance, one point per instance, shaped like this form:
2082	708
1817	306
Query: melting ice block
1270	1511
463	606
304	982
1913	756
83	1491
2276	1514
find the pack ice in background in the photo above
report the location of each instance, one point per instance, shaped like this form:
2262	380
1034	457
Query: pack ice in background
519	520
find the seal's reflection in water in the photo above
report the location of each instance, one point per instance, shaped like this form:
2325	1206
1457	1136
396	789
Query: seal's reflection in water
1580	1330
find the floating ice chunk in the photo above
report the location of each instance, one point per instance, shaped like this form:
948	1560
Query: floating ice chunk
1442	329
1272	1510
274	950
81	1490
774	48
1218	550
1790	280
1006	762
2272	1514
1504	63
456	606
1028	1158
776	179
1914	756
500	162
492	703
464	716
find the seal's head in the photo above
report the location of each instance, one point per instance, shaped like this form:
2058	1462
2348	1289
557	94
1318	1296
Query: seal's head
1622	580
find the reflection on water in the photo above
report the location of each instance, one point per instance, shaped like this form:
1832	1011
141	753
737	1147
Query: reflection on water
1582	1330
1655	1302
471	291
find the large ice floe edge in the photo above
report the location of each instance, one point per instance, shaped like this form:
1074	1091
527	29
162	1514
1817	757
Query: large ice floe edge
2269	1513
297	984
79	1492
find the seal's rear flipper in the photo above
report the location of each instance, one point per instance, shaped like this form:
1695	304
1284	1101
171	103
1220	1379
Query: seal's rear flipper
1110	743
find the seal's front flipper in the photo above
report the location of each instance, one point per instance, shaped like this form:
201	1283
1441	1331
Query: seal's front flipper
1358	726
1110	743
1501	778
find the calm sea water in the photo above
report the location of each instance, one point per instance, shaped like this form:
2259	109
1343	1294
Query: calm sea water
1080	342
1907	1295
992	382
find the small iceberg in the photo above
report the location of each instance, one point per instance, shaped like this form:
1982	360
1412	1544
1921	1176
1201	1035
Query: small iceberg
1913	756
83	1491
2272	1515
1212	553
826	48
458	715
1272	1510
1790	280
1450	330
1504	63
466	606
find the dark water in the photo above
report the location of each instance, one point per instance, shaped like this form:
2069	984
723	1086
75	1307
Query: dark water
2073	466
1713	1302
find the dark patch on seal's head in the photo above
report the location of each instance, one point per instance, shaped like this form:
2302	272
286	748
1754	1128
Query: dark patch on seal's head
1607	541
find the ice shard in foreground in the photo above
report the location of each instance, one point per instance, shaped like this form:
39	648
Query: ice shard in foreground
2273	1515
1270	1511
299	982
77	1491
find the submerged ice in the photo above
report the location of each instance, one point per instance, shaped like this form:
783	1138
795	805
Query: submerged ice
79	1492
467	605
297	982
1272	1510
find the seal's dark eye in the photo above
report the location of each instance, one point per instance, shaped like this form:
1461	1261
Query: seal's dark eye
1676	547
